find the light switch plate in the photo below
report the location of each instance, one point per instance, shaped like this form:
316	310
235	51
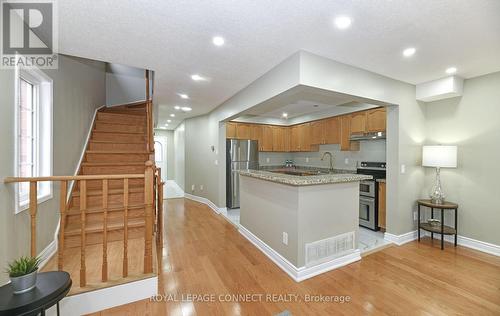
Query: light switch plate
192	187
216	162
307	159
346	161
201	187
267	159
403	169
285	238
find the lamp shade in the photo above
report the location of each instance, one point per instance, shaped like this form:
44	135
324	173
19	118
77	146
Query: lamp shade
439	156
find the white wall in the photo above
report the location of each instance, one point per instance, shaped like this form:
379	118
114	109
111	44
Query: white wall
179	155
472	122
79	88
124	84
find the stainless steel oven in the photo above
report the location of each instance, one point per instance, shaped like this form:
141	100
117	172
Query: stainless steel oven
368	194
367	188
367	212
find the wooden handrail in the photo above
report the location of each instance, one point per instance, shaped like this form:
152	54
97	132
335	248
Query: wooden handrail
71	178
152	191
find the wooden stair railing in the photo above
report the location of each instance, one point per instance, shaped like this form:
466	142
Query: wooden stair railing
152	179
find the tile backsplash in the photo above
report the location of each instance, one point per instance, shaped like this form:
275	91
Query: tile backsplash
373	150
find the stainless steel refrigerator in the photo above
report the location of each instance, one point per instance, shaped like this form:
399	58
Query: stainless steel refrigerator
240	155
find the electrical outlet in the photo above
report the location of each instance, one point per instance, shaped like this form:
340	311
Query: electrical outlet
216	162
307	159
403	169
414	216
267	160
346	161
285	238
192	187
201	187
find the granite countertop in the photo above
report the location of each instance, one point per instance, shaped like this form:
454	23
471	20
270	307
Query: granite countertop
304	180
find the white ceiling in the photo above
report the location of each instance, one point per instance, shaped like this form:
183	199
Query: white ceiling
173	38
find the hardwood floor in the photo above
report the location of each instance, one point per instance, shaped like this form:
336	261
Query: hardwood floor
204	254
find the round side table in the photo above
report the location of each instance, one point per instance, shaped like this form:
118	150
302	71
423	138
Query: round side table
441	229
51	287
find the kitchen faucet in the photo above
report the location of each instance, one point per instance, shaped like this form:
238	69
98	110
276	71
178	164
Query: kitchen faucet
331	159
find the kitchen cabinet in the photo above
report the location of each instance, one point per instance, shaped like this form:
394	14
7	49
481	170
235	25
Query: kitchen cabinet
376	120
381	205
281	139
318	132
358	122
266	139
256	132
345	134
243	131
331	130
230	130
294	138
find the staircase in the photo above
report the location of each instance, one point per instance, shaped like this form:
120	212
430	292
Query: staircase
118	145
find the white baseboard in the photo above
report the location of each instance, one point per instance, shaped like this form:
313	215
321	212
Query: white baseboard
482	246
401	239
98	300
302	273
204	201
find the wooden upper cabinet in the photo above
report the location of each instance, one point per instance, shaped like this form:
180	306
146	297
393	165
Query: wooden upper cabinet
305	137
294	138
358	122
376	120
230	130
243	131
256	132
281	139
332	130
266	140
318	132
345	134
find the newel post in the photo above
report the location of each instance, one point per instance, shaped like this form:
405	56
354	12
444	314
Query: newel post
148	207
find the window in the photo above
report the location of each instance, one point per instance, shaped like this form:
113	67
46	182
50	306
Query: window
34	133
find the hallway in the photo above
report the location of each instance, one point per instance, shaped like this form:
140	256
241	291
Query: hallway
205	255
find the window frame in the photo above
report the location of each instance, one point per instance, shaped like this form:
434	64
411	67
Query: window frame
43	133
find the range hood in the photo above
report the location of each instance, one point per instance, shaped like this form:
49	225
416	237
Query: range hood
368	136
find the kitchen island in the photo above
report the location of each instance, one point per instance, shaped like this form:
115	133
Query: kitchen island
307	224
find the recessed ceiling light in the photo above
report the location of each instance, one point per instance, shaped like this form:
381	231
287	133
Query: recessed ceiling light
166	124
177	107
183	96
410	51
218	40
284	115
342	22
172	115
451	70
197	77
186	108
168	121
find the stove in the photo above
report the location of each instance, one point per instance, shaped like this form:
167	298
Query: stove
368	193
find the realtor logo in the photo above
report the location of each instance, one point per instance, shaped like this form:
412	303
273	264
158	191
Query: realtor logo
28	32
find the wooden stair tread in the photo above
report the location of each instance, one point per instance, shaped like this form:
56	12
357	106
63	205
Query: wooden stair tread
99	164
75	210
115	142
114	132
131	189
144	152
97	227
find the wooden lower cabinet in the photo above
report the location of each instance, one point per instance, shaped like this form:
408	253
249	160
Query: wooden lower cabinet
381	205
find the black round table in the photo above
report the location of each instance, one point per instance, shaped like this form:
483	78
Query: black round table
51	287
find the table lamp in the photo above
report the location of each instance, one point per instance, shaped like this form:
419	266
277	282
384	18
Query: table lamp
439	156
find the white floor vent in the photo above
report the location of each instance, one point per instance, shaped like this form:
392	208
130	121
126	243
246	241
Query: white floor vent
328	249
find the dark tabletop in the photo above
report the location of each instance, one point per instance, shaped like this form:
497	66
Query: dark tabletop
50	288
